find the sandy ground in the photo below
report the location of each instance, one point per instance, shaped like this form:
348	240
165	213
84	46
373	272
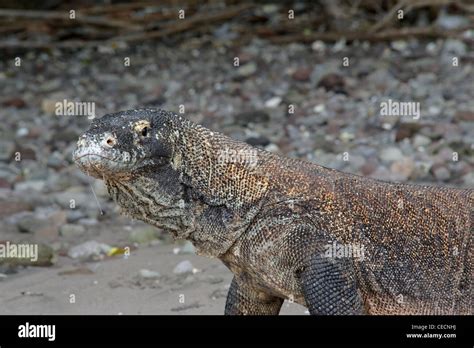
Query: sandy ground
113	286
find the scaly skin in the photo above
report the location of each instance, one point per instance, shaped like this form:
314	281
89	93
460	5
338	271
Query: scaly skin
271	219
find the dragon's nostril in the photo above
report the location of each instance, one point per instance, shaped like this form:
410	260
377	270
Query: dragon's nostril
110	141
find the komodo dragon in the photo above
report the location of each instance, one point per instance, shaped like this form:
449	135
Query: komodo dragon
334	242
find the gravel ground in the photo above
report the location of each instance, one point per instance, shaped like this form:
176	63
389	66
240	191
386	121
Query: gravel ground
296	100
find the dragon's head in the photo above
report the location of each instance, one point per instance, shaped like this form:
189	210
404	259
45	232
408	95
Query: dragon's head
123	144
132	152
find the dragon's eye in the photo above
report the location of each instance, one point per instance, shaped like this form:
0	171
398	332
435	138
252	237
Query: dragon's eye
144	131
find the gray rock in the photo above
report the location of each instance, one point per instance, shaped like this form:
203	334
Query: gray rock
143	235
90	250
420	140
454	47
15	218
391	154
468	179
219	293
381	173
82	200
28	222
56	160
402	169
8	173
273	102
183	267
100	189
87	221
71	231
399	45
6	150
441	172
21	132
247	70
356	161
74	215
450	22
30	185
318	46
147	274
187	248
256	116
44	224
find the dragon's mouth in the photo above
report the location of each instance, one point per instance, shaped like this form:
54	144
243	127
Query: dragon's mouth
97	165
80	158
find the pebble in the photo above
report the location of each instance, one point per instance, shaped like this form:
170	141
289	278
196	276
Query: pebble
187	248
28	223
451	22
8	173
402	169
56	160
183	267
71	231
399	45
319	108
468	179
302	74
74	215
147	274
332	82
256	116
143	235
43	227
318	46
48	105
247	70
88	221
454	47
90	250
6	150
273	102
35	185
467	116
441	172
420	140
391	154
81	200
